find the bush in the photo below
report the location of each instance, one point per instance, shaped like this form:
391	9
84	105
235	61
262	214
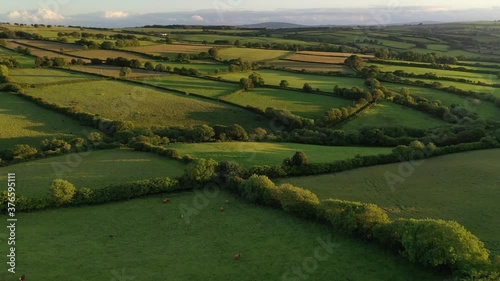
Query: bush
201	170
299	201
62	191
24	151
260	189
354	218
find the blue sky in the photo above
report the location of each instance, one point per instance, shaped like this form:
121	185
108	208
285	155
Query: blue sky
69	7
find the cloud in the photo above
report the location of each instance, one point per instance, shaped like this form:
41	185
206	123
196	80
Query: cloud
35	15
197	18
115	15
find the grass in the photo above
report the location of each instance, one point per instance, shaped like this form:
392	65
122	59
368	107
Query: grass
22	122
251	54
54	46
311	66
387	114
303	104
207	88
114	71
93	170
146	238
485	109
34	76
203	66
104	54
318	59
465	86
250	153
297	80
144	106
334	54
461	187
42	53
168	49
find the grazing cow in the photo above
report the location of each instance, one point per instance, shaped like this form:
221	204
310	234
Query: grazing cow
22	278
227	201
222	209
237	257
166	200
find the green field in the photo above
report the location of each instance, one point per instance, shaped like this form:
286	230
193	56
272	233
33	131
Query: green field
104	54
144	106
22	122
93	170
202	66
303	104
208	88
297	80
387	114
311	66
461	187
485	109
33	76
464	86
251	54
257	153
143	239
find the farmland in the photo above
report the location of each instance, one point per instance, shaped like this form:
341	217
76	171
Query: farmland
92	170
170	49
251	54
249	154
43	76
308	66
317	59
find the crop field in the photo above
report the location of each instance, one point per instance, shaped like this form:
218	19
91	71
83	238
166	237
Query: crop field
93	170
251	54
310	66
299	103
143	106
256	153
104	54
213	237
22	122
166	49
317	59
33	76
461	187
387	114
485	109
207	88
297	80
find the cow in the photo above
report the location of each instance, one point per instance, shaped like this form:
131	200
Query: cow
22	278
222	209
166	200
237	257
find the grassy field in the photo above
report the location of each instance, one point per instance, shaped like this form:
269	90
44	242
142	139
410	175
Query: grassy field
22	122
304	104
210	38
310	66
485	109
317	59
34	76
387	114
93	170
101	243
297	80
334	54
42	53
114	71
169	49
104	54
54	46
203	66
251	54
207	88
252	153
461	187
144	106
464	86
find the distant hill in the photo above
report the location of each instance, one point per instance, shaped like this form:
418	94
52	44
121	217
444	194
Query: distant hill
272	25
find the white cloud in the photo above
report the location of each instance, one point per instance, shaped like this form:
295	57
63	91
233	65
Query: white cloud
197	18
35	16
115	15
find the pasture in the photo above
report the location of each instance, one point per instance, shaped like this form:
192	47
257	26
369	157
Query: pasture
144	106
93	170
54	46
317	59
257	153
22	122
334	54
104	54
207	88
310	66
170	49
34	76
42	53
114	71
308	105
464	86
101	243
297	80
461	187
387	114
252	55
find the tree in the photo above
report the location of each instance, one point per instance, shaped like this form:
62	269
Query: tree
307	88
125	72
135	63
24	151
284	84
299	159
108	45
246	84
260	189
257	79
149	65
4	72
355	62
214	52
201	170
297	200
62	191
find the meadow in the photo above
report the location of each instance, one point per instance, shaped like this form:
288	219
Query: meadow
207	88
387	114
308	105
41	53
170	49
34	76
310	66
461	187
104	54
464	86
252	55
144	106
297	80
317	59
54	46
256	153
94	169
22	122
110	240
114	71
334	54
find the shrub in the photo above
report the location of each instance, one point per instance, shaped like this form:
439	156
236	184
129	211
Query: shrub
260	189
201	170
24	151
62	191
299	201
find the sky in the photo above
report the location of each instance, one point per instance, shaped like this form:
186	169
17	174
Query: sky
114	13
